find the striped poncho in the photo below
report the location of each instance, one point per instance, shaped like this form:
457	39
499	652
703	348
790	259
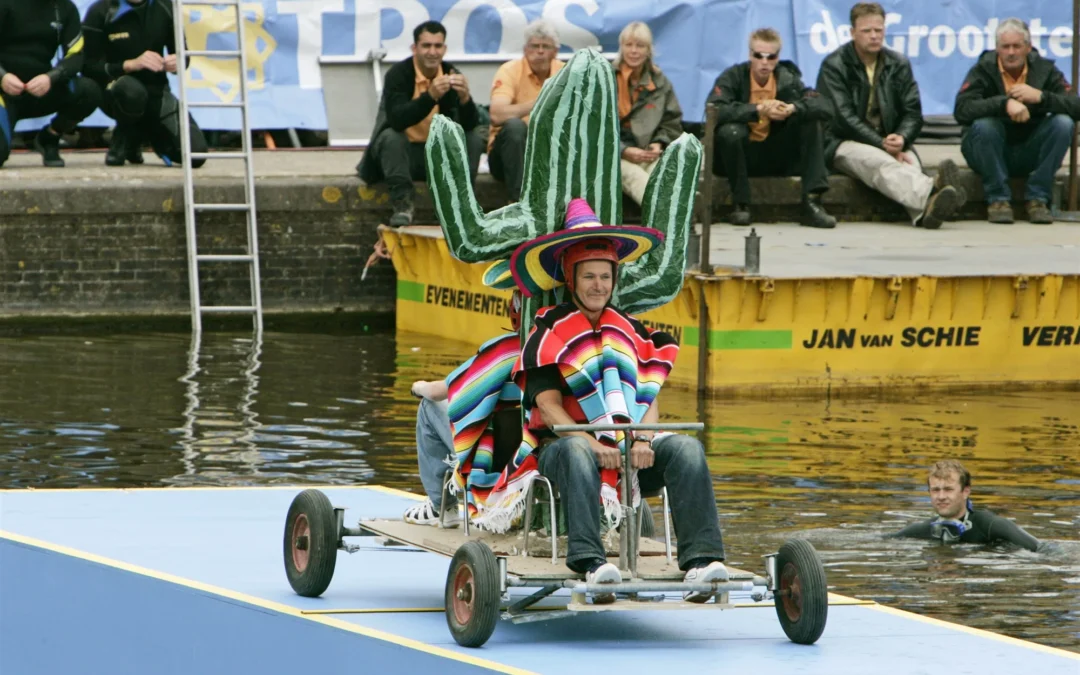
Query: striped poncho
614	372
478	389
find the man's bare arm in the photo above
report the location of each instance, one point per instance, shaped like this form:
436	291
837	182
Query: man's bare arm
502	109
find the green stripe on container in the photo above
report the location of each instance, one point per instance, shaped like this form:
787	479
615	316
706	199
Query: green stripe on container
690	336
750	339
410	290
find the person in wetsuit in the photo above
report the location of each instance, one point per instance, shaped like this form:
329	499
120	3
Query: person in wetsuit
130	49
31	32
950	487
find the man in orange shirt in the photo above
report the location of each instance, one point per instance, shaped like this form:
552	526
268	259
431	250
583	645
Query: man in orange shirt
1019	116
513	94
414	91
770	124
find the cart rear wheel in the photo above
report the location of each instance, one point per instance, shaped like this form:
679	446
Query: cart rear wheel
311	543
472	594
802	601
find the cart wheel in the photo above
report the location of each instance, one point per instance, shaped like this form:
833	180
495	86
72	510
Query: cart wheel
472	594
648	525
802	603
311	543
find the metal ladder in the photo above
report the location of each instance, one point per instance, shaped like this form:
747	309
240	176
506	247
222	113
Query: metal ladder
193	208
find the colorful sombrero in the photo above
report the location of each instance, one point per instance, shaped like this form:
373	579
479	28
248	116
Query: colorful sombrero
498	276
536	264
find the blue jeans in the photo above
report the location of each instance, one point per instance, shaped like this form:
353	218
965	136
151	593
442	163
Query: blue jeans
680	465
1037	157
434	446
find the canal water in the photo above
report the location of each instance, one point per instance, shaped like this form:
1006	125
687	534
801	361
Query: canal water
137	410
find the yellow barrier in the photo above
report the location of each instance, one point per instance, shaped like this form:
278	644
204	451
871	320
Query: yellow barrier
802	335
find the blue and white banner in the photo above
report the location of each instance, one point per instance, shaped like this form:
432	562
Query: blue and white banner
695	41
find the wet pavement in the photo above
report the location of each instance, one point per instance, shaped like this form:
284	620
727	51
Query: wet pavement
138	410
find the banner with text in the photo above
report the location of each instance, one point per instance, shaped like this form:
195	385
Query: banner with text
694	41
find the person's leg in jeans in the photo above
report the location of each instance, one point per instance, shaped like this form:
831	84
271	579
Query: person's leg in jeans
571	465
434	446
476	145
729	159
984	150
391	150
1040	156
680	465
507	157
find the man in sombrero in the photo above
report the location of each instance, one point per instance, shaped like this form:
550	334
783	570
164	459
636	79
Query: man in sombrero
470	422
586	361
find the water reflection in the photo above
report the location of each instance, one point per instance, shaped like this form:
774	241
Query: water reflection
153	409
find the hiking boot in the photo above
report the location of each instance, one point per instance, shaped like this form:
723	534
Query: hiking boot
603	573
134	147
939	207
403	210
425	513
814	214
48	144
714	571
740	216
1000	213
1038	213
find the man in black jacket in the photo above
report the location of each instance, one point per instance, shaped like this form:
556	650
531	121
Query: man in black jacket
413	92
31	32
1018	112
878	117
769	124
956	519
126	45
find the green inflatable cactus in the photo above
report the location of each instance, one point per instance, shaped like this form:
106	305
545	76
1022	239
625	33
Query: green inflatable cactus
572	151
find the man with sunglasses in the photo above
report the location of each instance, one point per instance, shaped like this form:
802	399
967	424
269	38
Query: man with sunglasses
878	116
514	92
950	488
770	124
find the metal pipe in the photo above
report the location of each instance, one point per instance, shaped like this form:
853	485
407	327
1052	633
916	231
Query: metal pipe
705	266
703	341
576	586
667	525
1073	187
630	426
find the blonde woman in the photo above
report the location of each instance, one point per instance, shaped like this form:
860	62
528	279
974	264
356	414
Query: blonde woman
649	114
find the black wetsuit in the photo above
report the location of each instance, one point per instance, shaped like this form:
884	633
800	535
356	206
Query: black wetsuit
140	101
985	528
31	32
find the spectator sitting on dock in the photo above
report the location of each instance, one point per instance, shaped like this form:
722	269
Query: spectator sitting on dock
126	44
877	117
1018	114
414	91
31	32
649	113
950	488
513	94
769	124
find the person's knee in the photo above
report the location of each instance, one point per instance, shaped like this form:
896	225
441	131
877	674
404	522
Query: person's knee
685	450
87	98
392	141
988	129
1061	127
515	128
577	455
731	134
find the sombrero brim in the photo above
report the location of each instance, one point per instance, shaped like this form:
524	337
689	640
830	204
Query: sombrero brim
535	264
499	276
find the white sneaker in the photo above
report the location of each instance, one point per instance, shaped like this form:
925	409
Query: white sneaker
424	513
607	573
714	571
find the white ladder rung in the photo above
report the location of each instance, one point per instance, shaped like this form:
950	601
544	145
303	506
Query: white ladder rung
225	257
221	207
227	309
215	104
219	155
215	53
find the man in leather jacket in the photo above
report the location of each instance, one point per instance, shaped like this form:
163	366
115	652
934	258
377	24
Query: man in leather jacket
1018	112
770	124
878	117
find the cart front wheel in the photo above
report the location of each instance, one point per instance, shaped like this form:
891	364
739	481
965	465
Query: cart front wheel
472	594
802	601
311	543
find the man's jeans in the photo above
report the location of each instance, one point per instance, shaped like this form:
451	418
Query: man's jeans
434	446
1037	157
507	156
680	465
